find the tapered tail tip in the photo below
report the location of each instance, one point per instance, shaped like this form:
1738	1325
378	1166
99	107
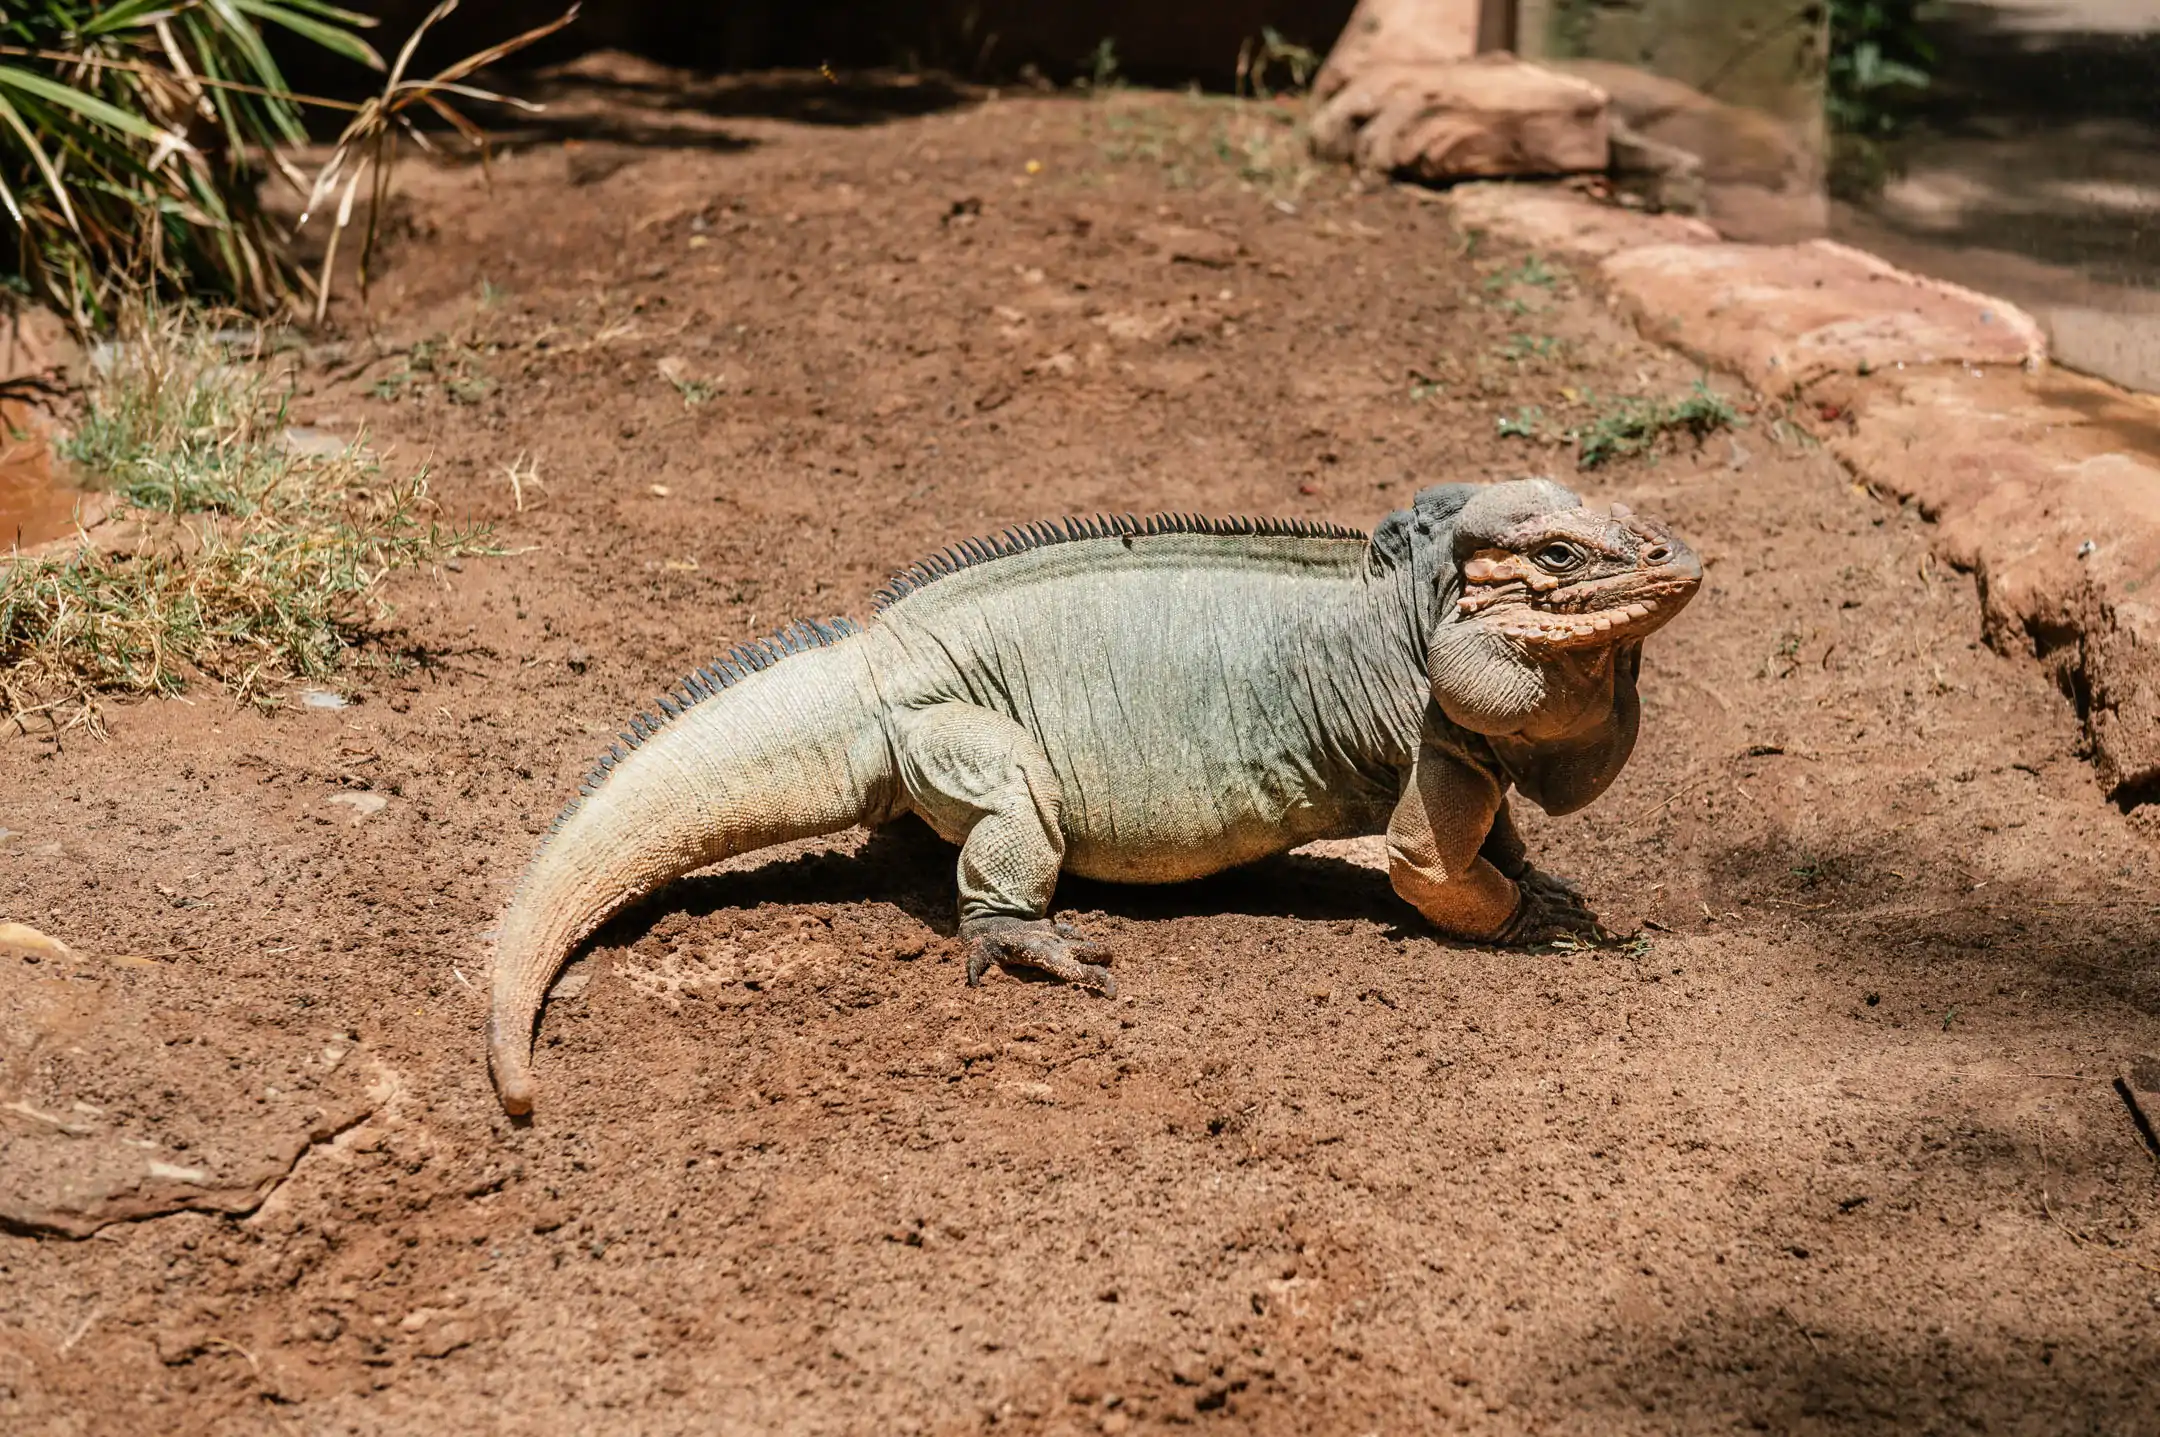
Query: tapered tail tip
512	1072
516	1095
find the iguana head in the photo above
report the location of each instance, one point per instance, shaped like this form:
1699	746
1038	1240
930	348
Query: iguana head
1542	597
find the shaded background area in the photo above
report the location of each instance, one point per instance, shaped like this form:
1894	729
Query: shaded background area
2026	166
1156	43
2032	169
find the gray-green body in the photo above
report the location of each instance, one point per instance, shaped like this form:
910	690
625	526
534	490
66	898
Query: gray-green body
1202	700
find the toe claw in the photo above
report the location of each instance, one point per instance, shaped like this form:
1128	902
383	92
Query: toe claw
1038	946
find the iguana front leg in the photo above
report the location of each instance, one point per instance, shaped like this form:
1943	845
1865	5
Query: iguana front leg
1561	901
1454	855
983	782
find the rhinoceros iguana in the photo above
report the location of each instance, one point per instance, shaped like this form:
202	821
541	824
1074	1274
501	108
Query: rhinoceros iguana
1146	700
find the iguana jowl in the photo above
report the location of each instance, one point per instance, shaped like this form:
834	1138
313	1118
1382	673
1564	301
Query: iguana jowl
1146	701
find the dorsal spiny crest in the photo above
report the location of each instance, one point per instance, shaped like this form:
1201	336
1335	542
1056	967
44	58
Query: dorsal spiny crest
1043	533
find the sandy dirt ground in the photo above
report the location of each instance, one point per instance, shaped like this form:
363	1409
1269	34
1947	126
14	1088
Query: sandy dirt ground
1831	1147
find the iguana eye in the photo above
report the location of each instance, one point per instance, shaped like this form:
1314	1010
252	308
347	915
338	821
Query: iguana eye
1559	557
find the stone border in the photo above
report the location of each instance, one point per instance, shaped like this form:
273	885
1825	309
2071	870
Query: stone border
2043	484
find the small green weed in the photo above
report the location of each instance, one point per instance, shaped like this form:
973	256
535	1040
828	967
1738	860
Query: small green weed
436	364
1199	142
240	561
1530	424
1533	271
1521	347
1634	426
1101	67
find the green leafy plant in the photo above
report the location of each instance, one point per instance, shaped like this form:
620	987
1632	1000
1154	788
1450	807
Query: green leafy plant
1529	424
1880	61
1626	426
135	136
1878	51
132	132
1100	66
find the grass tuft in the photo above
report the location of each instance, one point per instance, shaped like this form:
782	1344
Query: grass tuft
1634	426
240	562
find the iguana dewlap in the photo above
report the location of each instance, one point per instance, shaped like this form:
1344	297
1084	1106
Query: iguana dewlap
1145	701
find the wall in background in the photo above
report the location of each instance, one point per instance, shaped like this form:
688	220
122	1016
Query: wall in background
1168	42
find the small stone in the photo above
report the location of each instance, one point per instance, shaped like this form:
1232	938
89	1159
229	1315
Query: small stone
309	443
447	1337
322	699
1175	243
363	805
1487	117
22	939
174	1173
1568	226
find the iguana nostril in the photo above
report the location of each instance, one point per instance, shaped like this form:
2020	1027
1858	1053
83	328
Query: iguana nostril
1658	555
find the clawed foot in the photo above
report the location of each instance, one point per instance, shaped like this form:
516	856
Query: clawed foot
1552	909
1040	946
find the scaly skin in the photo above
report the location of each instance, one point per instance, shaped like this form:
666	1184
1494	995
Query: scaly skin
1147	702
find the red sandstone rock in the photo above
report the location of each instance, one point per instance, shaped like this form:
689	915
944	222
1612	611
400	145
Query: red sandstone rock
2048	489
1471	119
1562	224
1783	316
1388	33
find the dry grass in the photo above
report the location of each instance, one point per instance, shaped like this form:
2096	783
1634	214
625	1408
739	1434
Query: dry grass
237	561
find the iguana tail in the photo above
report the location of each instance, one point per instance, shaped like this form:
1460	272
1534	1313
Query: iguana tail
779	740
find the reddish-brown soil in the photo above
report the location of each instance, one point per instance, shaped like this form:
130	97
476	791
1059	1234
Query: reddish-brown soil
1832	1147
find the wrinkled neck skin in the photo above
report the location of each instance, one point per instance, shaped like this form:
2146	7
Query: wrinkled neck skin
1491	684
1364	682
1562	725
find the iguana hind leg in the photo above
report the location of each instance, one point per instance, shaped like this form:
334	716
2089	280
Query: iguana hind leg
1039	946
982	781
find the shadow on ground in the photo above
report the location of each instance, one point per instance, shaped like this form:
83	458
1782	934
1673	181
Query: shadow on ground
619	100
2103	948
1771	1370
